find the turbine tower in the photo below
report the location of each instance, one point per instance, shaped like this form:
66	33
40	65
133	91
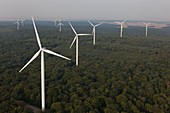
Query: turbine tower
146	25
121	27
59	25
41	50
18	24
94	31
76	39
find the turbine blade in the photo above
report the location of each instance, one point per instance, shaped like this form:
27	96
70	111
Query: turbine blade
72	28
17	22
84	34
124	21
144	23
118	23
62	24
149	24
35	56
58	25
37	36
98	24
90	23
73	41
55	54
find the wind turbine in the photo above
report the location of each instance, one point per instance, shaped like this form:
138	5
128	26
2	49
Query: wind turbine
41	50
59	25
94	31
121	27
22	22
18	24
55	22
76	39
146	25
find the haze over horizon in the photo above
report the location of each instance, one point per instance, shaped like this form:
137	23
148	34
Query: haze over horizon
149	10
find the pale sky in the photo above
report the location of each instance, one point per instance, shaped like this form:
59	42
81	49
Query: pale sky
151	10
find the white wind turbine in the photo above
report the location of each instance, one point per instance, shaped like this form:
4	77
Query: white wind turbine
146	25
18	24
94	31
121	27
59	25
55	22
22	22
76	39
41	50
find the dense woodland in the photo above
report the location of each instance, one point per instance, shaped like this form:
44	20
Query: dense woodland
117	75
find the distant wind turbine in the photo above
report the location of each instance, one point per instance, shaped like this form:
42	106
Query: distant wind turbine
76	39
55	23
22	22
59	25
94	31
146	25
18	24
42	50
121	27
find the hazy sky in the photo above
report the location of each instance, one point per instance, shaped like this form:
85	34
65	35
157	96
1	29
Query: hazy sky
156	10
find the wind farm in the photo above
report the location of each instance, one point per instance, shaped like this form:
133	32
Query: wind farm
89	66
84	57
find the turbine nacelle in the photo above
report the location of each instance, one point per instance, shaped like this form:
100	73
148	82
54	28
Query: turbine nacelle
121	23
146	24
77	35
60	24
94	25
17	23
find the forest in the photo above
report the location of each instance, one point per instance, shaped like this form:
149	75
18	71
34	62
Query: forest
117	75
